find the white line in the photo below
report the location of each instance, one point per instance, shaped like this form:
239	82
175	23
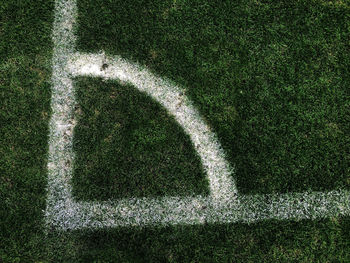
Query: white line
60	155
170	96
222	206
60	203
176	210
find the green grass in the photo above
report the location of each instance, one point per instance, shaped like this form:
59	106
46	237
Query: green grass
25	58
302	89
325	241
271	77
126	145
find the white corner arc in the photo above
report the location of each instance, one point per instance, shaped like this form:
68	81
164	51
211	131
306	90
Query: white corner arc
223	205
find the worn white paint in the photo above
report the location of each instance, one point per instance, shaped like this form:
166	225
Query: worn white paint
223	205
171	97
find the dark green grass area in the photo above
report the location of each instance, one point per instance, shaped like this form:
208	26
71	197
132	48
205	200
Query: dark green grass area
126	145
24	27
25	69
24	114
271	77
305	241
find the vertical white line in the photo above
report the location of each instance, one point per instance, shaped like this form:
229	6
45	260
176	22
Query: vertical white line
59	199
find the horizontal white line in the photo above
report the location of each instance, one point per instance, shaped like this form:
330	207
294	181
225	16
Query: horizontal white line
200	210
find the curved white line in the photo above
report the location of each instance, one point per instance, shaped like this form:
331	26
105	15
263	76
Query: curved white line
173	99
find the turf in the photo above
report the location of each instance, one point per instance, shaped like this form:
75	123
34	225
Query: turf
25	70
271	77
126	145
325	241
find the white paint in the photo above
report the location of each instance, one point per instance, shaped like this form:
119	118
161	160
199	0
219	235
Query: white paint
222	187
224	205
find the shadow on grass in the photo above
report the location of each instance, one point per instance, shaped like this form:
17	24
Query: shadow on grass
269	241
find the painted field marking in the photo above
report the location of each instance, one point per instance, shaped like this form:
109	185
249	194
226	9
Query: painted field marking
223	205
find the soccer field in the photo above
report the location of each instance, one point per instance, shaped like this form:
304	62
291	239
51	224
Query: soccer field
267	86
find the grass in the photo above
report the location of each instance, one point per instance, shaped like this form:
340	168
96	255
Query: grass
25	69
271	77
275	109
128	146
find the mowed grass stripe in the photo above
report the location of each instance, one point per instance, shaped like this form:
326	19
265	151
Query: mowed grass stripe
270	77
